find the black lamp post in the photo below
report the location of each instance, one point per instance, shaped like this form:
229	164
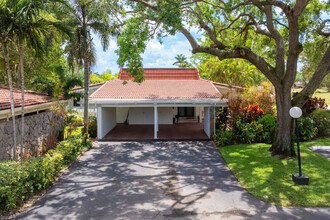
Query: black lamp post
298	178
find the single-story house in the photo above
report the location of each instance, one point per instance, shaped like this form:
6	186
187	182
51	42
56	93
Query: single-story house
167	99
34	102
42	124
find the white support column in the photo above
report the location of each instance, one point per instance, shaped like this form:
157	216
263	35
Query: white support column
207	121
99	122
214	131
155	122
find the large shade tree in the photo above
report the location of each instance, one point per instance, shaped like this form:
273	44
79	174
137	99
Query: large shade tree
270	34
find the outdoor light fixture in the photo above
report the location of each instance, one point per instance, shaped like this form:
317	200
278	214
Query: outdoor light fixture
298	178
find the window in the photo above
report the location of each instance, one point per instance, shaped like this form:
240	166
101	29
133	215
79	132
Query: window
186	111
75	101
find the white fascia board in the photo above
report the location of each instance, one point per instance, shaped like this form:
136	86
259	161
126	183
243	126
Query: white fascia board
210	101
30	108
223	87
93	88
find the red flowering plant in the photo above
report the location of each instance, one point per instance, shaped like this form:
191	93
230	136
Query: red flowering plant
252	113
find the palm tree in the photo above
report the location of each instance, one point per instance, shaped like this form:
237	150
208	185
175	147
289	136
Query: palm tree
29	26
88	16
5	35
181	61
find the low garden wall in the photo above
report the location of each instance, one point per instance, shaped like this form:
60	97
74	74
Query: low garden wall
41	133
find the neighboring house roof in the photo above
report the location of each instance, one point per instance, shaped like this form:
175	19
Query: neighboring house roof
226	85
164	74
92	85
30	98
157	89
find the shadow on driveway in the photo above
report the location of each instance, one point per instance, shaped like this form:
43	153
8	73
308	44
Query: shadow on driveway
155	180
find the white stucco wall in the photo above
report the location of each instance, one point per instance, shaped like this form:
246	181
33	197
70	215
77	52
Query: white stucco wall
106	120
141	115
145	115
165	115
121	114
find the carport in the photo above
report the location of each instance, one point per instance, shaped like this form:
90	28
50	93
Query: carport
169	104
160	121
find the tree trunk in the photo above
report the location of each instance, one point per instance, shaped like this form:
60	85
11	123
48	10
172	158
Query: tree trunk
12	106
17	77
283	144
86	84
78	69
22	90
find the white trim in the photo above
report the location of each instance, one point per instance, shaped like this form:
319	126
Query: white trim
207	121
6	114
154	101
167	105
155	121
214	132
159	102
99	122
224	87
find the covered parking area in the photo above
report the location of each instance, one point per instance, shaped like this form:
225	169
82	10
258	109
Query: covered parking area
158	119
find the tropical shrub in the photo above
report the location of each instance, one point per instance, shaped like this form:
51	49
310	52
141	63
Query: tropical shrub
246	132
262	95
321	118
306	128
267	134
252	113
221	120
223	137
92	127
73	120
19	180
312	104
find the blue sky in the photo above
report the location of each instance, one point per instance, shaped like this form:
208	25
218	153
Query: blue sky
156	54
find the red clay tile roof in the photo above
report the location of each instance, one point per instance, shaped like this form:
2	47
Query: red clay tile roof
30	98
164	74
157	89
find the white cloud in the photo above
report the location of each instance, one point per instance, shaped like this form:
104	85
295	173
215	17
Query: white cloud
155	46
156	54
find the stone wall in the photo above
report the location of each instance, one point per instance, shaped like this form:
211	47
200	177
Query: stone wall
41	132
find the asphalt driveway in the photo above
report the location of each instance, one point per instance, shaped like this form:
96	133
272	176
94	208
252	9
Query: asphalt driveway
155	180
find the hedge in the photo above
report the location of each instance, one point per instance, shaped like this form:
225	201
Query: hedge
19	180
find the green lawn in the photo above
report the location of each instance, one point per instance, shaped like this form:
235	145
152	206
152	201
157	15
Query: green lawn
320	93
269	178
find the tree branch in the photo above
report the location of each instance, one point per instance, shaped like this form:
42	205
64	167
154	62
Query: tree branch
239	52
299	7
321	71
280	47
320	29
203	25
145	4
280	4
